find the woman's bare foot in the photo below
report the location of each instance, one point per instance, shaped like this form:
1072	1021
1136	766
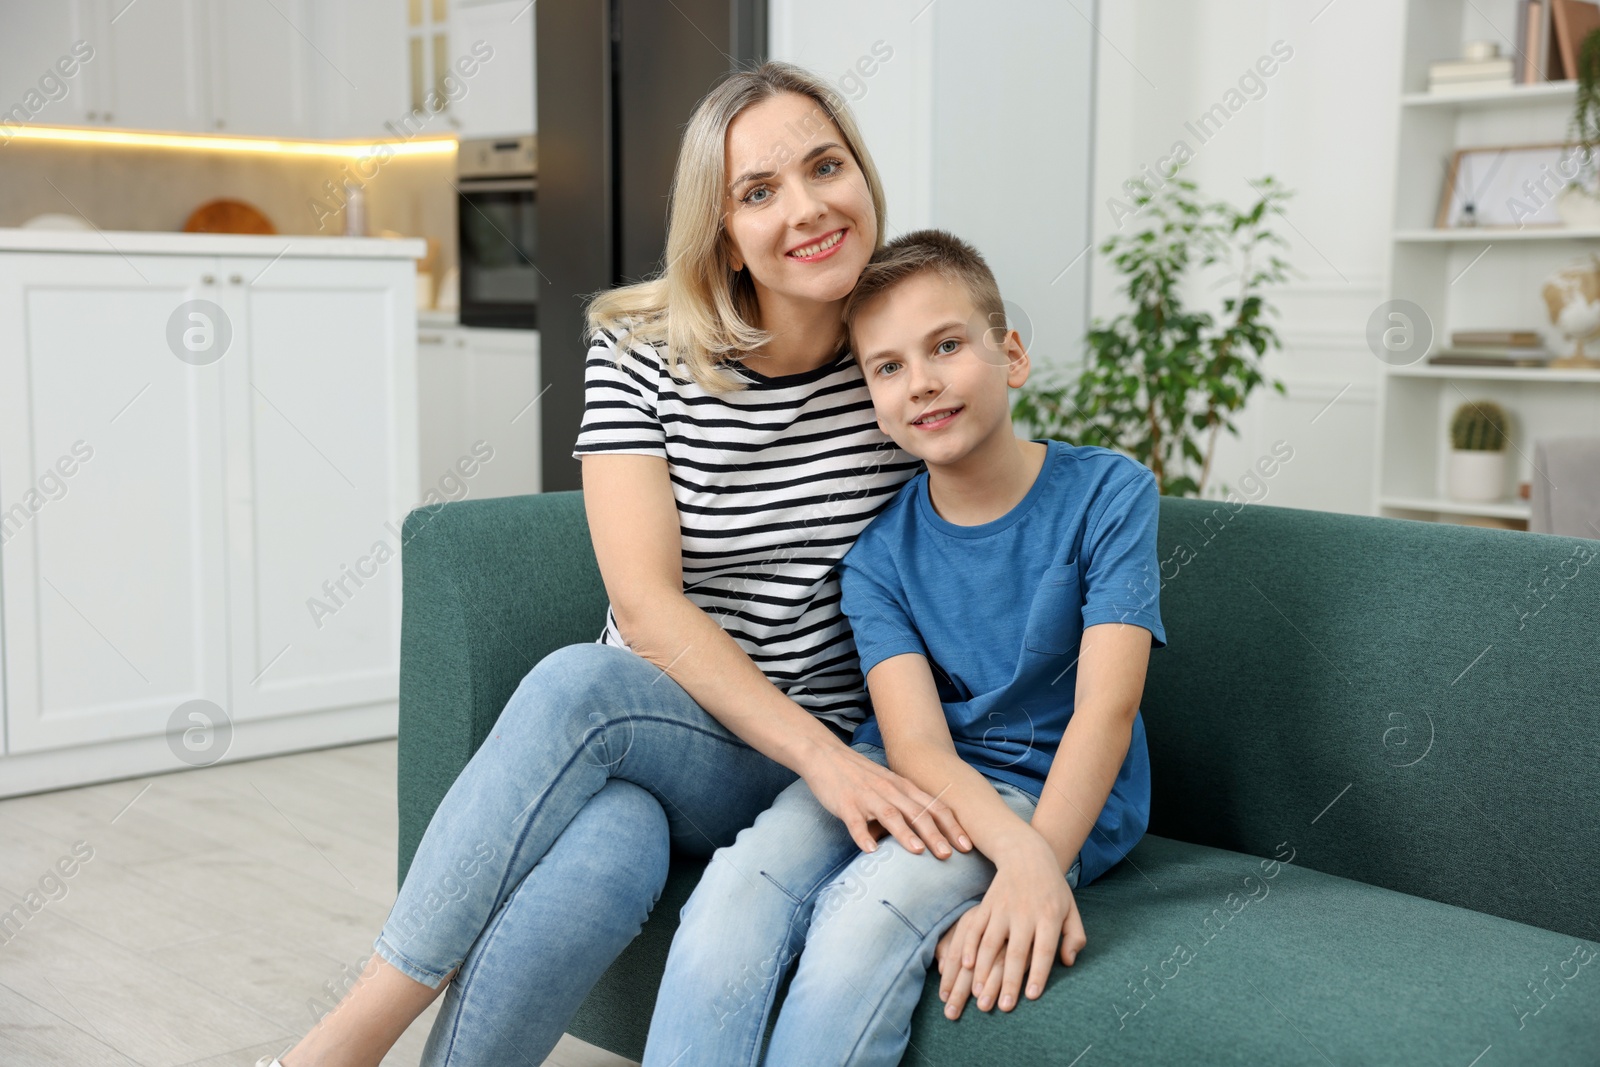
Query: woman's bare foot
364	1026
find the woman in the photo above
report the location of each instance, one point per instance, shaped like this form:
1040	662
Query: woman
720	491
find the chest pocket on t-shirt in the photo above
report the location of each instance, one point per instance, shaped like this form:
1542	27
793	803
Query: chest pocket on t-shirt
1055	620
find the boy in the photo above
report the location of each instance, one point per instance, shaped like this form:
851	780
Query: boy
1004	606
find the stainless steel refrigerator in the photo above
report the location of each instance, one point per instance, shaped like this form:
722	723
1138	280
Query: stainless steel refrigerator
617	80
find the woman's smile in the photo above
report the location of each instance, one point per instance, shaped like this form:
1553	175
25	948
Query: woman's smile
820	249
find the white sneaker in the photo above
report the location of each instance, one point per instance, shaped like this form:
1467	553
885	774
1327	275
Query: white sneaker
268	1061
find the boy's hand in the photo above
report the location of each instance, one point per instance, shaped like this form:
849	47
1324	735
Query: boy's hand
1027	912
866	795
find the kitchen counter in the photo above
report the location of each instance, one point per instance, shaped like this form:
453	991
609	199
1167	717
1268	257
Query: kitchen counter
437	318
155	242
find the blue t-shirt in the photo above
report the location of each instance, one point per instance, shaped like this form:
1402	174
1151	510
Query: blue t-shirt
999	609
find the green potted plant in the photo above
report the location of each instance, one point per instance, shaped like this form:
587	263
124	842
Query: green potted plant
1163	379
1478	440
1578	203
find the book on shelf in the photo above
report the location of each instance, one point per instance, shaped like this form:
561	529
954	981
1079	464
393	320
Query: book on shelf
1572	21
1445	70
1450	70
1496	338
1529	15
1491	356
1470	75
1549	34
1475	85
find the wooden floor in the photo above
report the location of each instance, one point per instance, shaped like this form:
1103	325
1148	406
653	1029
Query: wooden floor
218	906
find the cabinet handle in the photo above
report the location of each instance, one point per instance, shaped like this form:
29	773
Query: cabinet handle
429	339
89	116
207	279
219	124
108	116
235	279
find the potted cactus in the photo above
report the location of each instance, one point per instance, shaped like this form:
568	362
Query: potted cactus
1478	438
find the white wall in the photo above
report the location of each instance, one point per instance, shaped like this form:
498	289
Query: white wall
1326	128
979	123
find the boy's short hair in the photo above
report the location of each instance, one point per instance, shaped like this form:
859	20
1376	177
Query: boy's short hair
913	253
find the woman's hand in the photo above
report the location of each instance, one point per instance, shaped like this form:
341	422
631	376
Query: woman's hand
1014	930
872	800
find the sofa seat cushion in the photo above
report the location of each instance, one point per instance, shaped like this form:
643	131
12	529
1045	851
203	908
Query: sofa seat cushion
1199	954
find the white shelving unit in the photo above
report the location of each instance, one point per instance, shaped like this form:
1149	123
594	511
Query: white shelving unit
1471	278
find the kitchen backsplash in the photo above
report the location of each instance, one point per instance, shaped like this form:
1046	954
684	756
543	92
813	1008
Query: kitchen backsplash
120	187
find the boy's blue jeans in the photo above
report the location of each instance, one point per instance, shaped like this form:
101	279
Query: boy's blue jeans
549	850
863	924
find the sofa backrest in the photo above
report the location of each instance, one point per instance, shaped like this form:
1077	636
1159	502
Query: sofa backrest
1414	705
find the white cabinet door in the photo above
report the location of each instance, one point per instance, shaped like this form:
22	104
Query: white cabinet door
261	68
322	469
273	68
498	97
46	64
156	67
443	401
358	69
479	400
111	487
504	409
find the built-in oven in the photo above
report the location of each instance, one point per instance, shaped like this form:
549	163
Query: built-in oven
497	181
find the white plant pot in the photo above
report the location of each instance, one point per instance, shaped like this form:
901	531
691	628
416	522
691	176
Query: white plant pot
1477	475
1577	207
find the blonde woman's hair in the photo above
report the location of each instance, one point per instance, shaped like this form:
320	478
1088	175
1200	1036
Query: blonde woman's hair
698	305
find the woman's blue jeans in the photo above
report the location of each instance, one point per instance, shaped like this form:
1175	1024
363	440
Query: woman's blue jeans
546	855
863	924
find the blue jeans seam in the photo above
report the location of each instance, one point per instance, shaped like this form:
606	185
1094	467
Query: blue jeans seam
753	1058
798	902
464	981
933	935
812	895
777	977
902	917
407	966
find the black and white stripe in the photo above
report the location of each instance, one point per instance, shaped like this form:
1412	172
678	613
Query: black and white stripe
773	485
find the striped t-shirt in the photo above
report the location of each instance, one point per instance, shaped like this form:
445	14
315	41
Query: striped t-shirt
773	485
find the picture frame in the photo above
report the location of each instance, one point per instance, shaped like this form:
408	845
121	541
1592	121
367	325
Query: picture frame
1484	186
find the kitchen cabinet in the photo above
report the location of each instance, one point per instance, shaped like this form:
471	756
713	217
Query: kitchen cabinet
358	70
479	391
153	68
354	70
288	69
240	428
111	465
322	461
44	79
498	98
260	66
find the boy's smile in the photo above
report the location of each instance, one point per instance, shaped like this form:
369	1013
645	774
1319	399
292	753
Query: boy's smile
938	418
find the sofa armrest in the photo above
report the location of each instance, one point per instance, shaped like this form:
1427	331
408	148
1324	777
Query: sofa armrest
490	588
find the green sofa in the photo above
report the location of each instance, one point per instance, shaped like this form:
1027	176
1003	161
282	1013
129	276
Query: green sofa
1405	714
